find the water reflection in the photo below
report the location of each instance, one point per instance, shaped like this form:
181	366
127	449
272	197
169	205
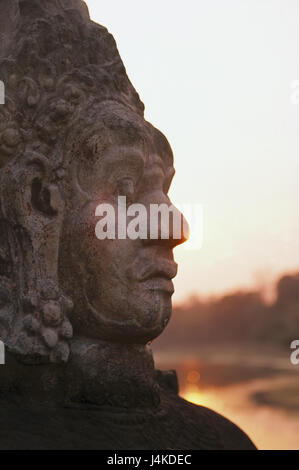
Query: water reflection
261	398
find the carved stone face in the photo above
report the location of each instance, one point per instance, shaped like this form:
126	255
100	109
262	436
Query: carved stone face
123	286
66	146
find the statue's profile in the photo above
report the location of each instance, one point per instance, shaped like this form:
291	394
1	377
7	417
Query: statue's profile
77	313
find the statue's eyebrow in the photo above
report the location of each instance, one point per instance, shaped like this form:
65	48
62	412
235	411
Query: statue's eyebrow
156	160
125	157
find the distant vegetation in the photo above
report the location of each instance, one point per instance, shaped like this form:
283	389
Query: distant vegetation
238	317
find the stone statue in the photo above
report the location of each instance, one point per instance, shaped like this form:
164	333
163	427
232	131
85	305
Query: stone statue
77	314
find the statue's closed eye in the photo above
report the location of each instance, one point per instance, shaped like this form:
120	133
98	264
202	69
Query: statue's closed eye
126	187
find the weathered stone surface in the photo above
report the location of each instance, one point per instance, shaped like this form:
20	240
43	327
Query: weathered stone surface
76	313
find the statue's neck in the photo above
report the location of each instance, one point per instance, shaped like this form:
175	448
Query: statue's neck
112	374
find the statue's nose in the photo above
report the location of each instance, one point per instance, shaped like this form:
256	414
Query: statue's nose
166	225
179	228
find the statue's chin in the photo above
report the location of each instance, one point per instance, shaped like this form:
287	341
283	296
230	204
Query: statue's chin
141	327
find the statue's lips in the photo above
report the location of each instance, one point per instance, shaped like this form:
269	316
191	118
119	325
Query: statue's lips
159	284
162	269
159	277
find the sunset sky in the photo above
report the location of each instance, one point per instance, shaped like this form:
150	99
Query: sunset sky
216	77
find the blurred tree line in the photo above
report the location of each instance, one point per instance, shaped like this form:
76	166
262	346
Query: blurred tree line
238	317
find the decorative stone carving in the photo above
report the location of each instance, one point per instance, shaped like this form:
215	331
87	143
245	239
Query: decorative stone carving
76	313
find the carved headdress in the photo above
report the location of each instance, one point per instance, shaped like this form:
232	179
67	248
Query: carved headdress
55	64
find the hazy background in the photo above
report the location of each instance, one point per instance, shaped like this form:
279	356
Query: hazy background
215	76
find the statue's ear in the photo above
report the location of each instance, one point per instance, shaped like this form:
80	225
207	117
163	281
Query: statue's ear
45	197
34	208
